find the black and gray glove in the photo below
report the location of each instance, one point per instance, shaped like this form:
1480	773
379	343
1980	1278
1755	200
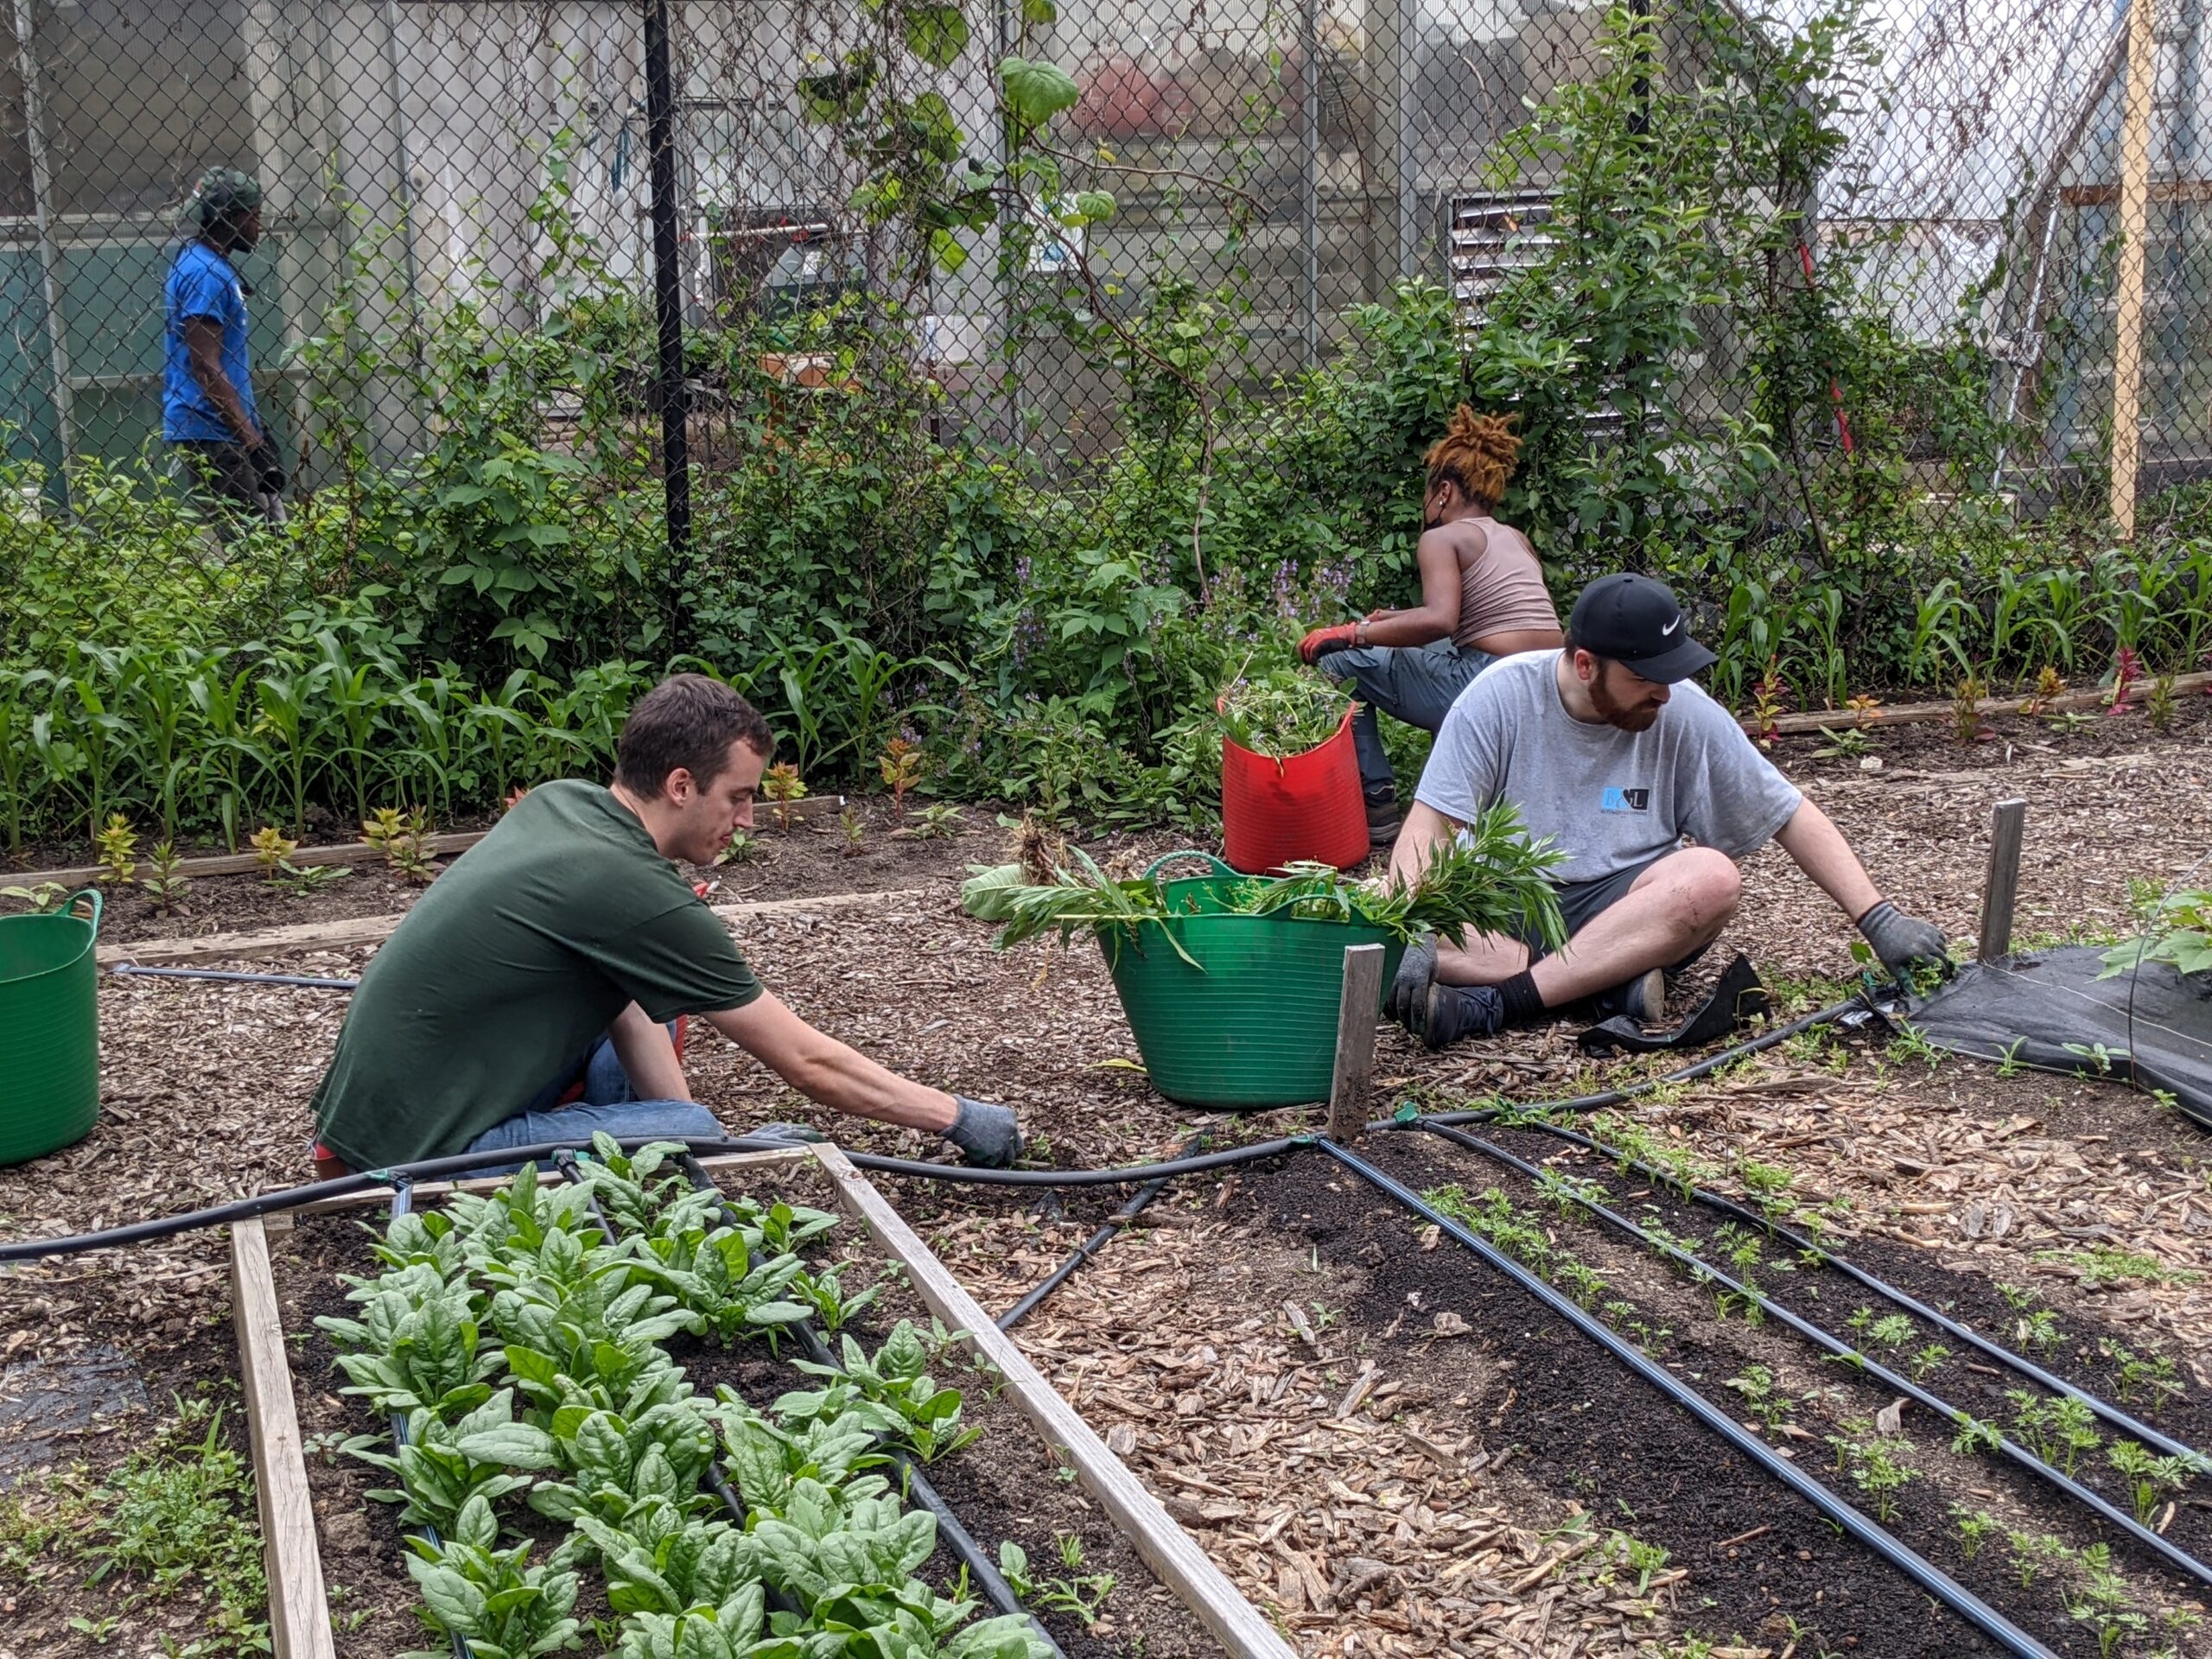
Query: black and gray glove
989	1136
1903	941
267	467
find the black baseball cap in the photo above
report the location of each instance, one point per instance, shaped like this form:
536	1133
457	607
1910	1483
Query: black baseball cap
1636	621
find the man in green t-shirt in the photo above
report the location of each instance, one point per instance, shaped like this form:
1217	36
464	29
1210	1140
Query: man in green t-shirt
555	952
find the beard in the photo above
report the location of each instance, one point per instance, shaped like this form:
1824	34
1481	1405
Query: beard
1622	716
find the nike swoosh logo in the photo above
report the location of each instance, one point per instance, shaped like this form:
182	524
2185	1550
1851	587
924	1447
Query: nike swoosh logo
1672	625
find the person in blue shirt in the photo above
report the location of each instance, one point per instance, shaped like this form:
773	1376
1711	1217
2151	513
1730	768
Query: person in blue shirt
208	416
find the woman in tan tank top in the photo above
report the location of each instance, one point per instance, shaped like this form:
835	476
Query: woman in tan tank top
1482	597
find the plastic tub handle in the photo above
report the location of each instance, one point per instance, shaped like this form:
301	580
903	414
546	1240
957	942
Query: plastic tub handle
69	905
1165	859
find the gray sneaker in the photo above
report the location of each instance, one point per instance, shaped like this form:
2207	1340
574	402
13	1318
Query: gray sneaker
1449	1013
1642	999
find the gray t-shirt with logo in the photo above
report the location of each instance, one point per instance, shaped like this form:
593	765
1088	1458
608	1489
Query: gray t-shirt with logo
1609	798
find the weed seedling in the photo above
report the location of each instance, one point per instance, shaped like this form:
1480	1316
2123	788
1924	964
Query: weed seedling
165	886
2150	1380
2148	1476
2107	1264
403	839
118	845
1975	1435
44	898
782	785
940	821
1761	1398
853	828
1928	1357
2159	705
742	848
1976	1527
900	763
1849	744
2058	1430
272	850
2035	1327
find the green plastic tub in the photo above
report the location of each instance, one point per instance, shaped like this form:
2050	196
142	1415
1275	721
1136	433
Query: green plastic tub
49	1030
1255	1024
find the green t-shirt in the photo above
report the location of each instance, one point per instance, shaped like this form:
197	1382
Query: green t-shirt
507	971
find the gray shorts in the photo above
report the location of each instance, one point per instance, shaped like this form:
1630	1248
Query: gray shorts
1582	902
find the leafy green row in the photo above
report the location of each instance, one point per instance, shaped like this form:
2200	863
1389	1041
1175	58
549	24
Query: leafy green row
592	1423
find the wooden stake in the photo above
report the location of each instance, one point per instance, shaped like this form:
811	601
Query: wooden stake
2000	887
2127	321
299	1611
1353	1085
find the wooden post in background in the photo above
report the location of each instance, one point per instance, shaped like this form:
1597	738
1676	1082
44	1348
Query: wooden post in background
2000	887
1353	1082
2127	318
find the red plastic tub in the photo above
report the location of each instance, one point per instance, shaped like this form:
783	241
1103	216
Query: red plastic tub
1303	806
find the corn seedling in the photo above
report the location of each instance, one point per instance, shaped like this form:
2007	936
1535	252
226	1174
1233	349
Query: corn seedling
2150	1380
1976	1528
119	847
165	886
782	786
900	763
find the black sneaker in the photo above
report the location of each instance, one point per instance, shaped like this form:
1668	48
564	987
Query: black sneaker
1415	970
1383	822
1449	1013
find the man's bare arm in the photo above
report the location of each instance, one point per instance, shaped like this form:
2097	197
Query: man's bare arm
203	344
1818	846
1426	832
648	1057
827	1071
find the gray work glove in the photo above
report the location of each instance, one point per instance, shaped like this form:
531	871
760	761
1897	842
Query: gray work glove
989	1136
1904	942
267	467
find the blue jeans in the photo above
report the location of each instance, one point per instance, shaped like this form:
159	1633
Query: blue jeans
609	1103
1416	683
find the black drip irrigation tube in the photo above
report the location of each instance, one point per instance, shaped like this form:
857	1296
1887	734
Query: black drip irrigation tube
402	1192
1089	1247
2112	1415
957	1538
1925	1574
2171	1553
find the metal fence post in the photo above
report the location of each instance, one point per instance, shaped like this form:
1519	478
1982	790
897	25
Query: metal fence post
2134	223
1309	206
668	278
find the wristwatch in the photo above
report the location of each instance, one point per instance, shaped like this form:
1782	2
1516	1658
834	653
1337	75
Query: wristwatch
1359	631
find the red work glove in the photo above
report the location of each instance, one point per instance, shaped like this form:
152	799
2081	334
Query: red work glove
1322	641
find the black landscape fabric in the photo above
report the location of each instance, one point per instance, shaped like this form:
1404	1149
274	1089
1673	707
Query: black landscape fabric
2050	1010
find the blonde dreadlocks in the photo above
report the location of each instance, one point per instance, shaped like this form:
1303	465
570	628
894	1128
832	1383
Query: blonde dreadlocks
1478	453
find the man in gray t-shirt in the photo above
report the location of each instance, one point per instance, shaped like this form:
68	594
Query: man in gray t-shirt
1606	748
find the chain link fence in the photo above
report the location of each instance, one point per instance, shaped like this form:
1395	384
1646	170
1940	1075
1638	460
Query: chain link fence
562	312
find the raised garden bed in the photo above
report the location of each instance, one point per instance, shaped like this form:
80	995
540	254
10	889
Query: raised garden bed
1664	1492
339	1585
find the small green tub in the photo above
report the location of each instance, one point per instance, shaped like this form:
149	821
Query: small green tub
1255	1024
49	1030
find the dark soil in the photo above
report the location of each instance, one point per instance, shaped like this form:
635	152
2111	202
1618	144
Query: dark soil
997	1494
1934	745
1579	1423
